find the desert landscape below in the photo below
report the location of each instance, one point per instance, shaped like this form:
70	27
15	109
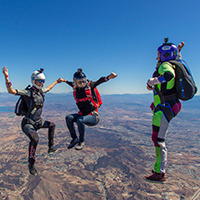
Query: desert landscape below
118	153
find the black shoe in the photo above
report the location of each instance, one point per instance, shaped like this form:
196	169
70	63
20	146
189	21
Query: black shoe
80	145
73	143
32	170
52	150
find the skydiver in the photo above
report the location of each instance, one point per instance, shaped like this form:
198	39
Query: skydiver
87	105
32	122
163	81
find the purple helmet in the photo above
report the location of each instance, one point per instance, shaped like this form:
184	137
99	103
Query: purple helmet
168	51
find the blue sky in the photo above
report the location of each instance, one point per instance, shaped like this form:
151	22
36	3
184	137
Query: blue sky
100	37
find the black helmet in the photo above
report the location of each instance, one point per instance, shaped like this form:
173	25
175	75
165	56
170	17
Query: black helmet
79	74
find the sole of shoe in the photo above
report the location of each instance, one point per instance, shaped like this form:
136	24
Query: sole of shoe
34	174
70	147
78	148
53	151
151	181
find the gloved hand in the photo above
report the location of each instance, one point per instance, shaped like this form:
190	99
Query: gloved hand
153	81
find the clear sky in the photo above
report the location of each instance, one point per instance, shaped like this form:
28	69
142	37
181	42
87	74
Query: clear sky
99	36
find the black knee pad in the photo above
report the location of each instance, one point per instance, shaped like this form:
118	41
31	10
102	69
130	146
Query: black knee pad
34	136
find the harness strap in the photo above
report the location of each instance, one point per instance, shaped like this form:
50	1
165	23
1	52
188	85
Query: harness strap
164	98
88	93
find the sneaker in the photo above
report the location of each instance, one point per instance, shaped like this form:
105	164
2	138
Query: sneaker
52	150
73	143
80	145
32	170
158	177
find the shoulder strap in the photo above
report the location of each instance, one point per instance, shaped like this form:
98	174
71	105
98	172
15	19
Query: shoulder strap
30	110
33	105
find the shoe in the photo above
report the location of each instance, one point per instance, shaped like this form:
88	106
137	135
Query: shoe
52	150
32	170
80	145
158	177
73	143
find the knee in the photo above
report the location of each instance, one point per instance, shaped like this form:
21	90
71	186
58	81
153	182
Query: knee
68	118
154	139
52	125
155	136
79	120
34	137
162	145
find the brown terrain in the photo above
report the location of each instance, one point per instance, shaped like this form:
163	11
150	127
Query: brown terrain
118	153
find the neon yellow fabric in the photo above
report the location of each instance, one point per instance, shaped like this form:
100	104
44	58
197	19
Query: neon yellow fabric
158	160
157	116
164	67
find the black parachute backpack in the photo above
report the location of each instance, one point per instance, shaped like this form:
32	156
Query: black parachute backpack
26	104
21	107
185	85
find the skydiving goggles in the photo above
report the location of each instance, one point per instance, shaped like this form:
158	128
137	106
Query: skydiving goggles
41	81
79	82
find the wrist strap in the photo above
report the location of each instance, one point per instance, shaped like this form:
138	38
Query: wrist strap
8	84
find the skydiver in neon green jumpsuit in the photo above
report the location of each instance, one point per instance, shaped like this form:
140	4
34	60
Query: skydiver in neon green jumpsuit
163	83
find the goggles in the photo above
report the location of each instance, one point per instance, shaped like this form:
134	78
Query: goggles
41	81
79	82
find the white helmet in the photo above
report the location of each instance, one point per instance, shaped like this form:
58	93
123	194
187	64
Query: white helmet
37	75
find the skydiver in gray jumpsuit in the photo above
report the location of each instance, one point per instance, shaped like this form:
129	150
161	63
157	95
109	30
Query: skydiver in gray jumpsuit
34	98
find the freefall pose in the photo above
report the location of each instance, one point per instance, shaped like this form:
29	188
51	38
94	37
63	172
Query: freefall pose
163	82
83	92
32	121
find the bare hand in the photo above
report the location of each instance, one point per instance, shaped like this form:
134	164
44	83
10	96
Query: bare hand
5	71
149	87
112	75
181	45
60	80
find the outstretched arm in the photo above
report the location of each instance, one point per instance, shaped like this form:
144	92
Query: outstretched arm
103	80
60	80
111	76
8	83
68	82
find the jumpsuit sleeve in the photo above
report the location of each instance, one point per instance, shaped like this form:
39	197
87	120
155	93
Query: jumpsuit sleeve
167	74
94	84
70	83
24	92
45	90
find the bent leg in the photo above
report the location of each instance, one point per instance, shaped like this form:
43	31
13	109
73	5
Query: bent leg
32	146
160	126
30	131
81	121
51	130
70	119
161	120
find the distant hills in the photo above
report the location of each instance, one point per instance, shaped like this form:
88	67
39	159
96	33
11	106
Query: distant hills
140	99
